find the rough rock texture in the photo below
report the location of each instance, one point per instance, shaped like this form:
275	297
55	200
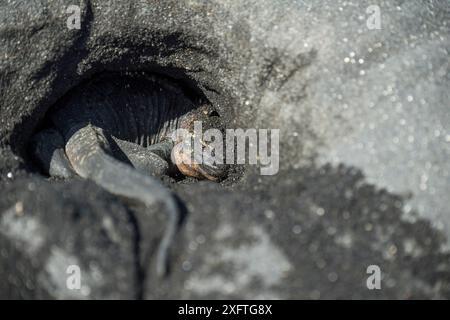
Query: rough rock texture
50	227
365	142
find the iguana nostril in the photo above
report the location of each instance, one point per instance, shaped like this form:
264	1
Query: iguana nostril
213	114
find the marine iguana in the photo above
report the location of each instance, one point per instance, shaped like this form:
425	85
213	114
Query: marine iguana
117	131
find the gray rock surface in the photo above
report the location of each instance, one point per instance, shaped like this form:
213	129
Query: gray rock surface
365	142
51	227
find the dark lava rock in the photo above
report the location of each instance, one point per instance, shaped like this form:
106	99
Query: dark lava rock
310	235
47	227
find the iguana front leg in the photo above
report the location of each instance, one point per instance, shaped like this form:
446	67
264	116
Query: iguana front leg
47	148
153	160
